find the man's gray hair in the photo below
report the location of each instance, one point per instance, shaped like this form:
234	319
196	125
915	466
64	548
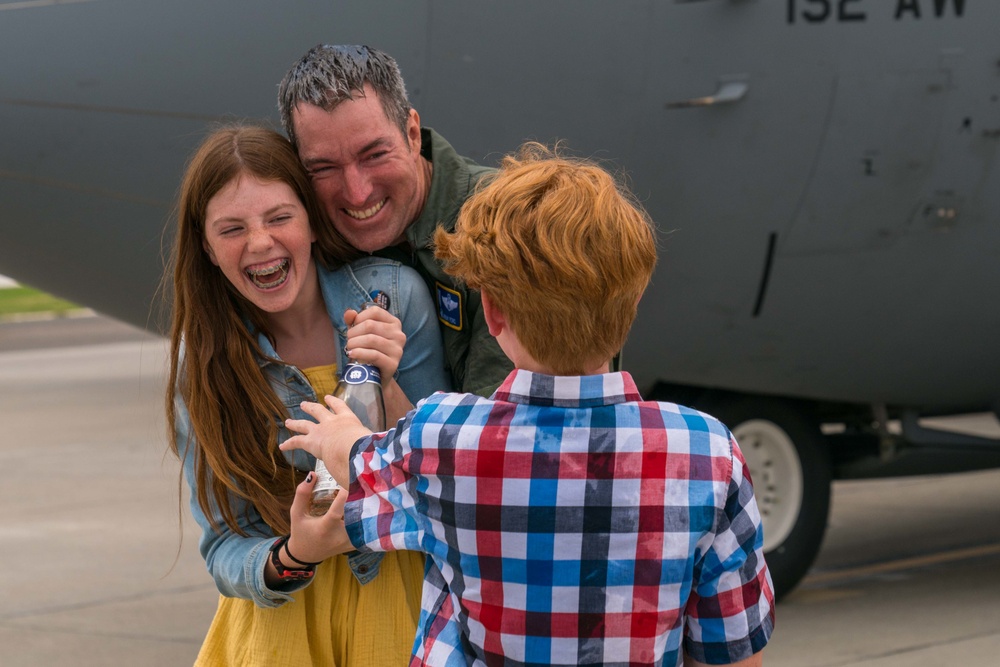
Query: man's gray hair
328	75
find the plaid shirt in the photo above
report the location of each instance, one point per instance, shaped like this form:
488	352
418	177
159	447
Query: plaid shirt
568	522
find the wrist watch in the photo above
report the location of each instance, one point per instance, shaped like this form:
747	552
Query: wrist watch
287	573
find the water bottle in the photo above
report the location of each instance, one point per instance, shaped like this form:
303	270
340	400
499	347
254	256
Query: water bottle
361	384
324	492
361	388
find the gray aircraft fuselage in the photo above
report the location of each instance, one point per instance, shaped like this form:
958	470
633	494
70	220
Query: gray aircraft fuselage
823	174
829	220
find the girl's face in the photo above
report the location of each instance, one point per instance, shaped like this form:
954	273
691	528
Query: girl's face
257	232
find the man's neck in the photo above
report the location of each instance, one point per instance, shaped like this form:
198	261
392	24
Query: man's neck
426	177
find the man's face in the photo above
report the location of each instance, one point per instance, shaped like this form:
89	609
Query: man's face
369	178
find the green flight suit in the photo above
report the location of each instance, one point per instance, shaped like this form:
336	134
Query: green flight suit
476	362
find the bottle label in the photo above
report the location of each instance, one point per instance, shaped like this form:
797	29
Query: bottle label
362	373
324	480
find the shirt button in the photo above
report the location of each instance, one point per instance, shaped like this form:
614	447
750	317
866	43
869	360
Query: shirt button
363	569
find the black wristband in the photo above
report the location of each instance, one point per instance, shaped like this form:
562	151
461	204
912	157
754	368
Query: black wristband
285	573
300	562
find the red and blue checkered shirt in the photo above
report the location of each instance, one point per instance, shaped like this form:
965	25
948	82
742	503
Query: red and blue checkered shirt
568	522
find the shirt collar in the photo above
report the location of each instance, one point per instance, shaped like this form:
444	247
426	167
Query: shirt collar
585	391
451	184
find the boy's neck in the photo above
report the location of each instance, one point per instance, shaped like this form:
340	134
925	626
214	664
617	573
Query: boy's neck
511	345
529	364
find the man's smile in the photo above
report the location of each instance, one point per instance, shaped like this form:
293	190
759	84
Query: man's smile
366	213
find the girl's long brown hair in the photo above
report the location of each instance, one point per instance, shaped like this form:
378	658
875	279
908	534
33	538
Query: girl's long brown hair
234	413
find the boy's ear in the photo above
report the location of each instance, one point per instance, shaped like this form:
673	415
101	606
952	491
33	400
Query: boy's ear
495	320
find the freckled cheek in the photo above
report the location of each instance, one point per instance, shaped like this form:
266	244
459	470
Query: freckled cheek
231	271
223	256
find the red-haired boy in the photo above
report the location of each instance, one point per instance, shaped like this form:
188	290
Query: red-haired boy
566	521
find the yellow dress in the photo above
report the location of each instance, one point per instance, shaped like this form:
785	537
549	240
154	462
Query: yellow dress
333	621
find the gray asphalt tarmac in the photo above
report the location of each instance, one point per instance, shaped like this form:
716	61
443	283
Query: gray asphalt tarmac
102	568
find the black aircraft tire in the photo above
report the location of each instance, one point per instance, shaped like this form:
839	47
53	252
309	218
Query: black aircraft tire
790	467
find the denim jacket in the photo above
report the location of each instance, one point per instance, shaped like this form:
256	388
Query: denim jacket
236	562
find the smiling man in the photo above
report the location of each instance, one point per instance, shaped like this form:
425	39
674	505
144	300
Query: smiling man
387	184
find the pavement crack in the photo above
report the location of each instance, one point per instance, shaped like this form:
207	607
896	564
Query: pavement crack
138	636
860	660
93	604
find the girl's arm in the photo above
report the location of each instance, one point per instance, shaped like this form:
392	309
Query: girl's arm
240	564
236	562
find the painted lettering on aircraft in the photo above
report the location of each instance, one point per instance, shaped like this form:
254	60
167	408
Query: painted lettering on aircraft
849	11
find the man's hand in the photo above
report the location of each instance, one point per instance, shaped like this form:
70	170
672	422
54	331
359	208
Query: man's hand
375	337
329	438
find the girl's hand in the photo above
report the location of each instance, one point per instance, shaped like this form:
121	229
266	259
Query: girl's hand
375	336
316	538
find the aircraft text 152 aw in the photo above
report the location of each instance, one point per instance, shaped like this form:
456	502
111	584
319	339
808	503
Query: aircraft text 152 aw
846	11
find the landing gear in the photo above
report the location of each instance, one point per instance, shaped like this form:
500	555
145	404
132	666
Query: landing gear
791	472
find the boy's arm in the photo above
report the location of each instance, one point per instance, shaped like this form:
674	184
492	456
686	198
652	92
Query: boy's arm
329	438
756	660
730	611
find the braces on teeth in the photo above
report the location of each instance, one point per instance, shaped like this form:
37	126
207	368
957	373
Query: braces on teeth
280	272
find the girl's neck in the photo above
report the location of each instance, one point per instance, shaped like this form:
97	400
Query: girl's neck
303	334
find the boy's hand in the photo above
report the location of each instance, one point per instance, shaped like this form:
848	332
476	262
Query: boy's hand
375	337
329	438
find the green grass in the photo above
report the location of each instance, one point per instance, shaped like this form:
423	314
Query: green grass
18	300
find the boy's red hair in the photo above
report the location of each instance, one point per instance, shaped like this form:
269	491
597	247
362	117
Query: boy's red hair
561	249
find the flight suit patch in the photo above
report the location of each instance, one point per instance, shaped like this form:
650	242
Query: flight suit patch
449	307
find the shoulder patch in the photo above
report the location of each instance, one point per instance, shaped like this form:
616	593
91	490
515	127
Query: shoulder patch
449	307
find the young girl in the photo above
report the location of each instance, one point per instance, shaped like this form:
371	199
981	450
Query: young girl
263	317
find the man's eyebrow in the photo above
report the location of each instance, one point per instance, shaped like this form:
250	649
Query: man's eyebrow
308	162
375	143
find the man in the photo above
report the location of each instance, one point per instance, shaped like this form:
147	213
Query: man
387	185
